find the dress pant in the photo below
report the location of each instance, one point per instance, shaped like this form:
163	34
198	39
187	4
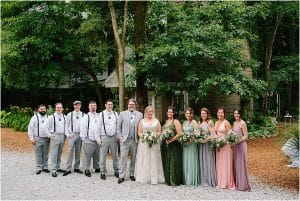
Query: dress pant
41	152
109	142
128	144
74	142
56	144
90	149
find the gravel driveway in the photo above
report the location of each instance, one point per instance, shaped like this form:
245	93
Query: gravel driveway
18	181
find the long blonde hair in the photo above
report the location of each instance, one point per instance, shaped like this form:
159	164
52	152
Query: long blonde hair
147	109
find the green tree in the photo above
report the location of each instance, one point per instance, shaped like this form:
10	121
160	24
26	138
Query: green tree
47	43
120	46
198	46
140	9
276	27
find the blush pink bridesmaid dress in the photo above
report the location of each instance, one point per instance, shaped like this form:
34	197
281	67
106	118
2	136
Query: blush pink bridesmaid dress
224	163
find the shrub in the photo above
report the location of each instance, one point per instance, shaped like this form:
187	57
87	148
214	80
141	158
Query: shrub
17	118
261	126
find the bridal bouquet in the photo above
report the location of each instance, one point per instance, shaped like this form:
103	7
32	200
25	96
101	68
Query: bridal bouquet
200	135
232	137
167	134
186	137
150	137
217	142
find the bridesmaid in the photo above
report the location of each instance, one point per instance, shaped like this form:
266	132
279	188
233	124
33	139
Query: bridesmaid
242	180
224	156
190	160
207	155
171	151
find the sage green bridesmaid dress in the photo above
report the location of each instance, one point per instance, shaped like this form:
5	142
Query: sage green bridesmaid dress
190	159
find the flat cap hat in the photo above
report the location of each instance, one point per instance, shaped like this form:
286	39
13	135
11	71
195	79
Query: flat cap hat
76	102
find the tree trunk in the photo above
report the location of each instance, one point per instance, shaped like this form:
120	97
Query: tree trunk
140	38
292	45
120	44
269	48
268	56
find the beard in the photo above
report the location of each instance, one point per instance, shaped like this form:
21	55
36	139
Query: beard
42	113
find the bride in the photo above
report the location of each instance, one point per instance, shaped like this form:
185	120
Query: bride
148	166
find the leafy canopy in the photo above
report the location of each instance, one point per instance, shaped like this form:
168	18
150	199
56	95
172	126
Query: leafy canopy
199	46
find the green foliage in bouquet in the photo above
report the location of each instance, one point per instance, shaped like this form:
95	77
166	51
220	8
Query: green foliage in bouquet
186	137
217	143
167	134
150	138
200	135
232	137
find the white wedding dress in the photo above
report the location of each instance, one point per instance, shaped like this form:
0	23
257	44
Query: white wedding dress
148	166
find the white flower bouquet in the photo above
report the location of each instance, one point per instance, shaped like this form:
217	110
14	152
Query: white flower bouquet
150	138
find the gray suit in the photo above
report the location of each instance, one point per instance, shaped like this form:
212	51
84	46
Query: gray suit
128	140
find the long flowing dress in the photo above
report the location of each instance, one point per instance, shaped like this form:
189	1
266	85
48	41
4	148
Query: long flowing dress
172	159
148	166
242	180
207	160
190	160
224	163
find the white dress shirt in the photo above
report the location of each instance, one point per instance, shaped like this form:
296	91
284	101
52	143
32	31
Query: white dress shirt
90	126
36	126
110	122
73	122
59	120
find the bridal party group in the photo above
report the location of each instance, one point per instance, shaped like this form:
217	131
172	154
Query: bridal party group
172	153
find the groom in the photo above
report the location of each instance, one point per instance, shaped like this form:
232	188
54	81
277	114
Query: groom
127	133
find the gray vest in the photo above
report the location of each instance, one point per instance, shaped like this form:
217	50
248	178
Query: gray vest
132	127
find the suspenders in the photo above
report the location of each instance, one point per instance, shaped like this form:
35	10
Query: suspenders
38	121
72	120
54	127
104	123
37	117
88	128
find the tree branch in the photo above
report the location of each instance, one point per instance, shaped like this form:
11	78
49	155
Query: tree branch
124	24
115	25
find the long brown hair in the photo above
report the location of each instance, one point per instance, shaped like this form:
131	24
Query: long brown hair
221	108
207	112
189	109
173	110
239	111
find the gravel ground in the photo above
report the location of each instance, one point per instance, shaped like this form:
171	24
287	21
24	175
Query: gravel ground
18	181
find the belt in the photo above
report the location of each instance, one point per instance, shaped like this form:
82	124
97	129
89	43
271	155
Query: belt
109	135
41	136
90	140
58	133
